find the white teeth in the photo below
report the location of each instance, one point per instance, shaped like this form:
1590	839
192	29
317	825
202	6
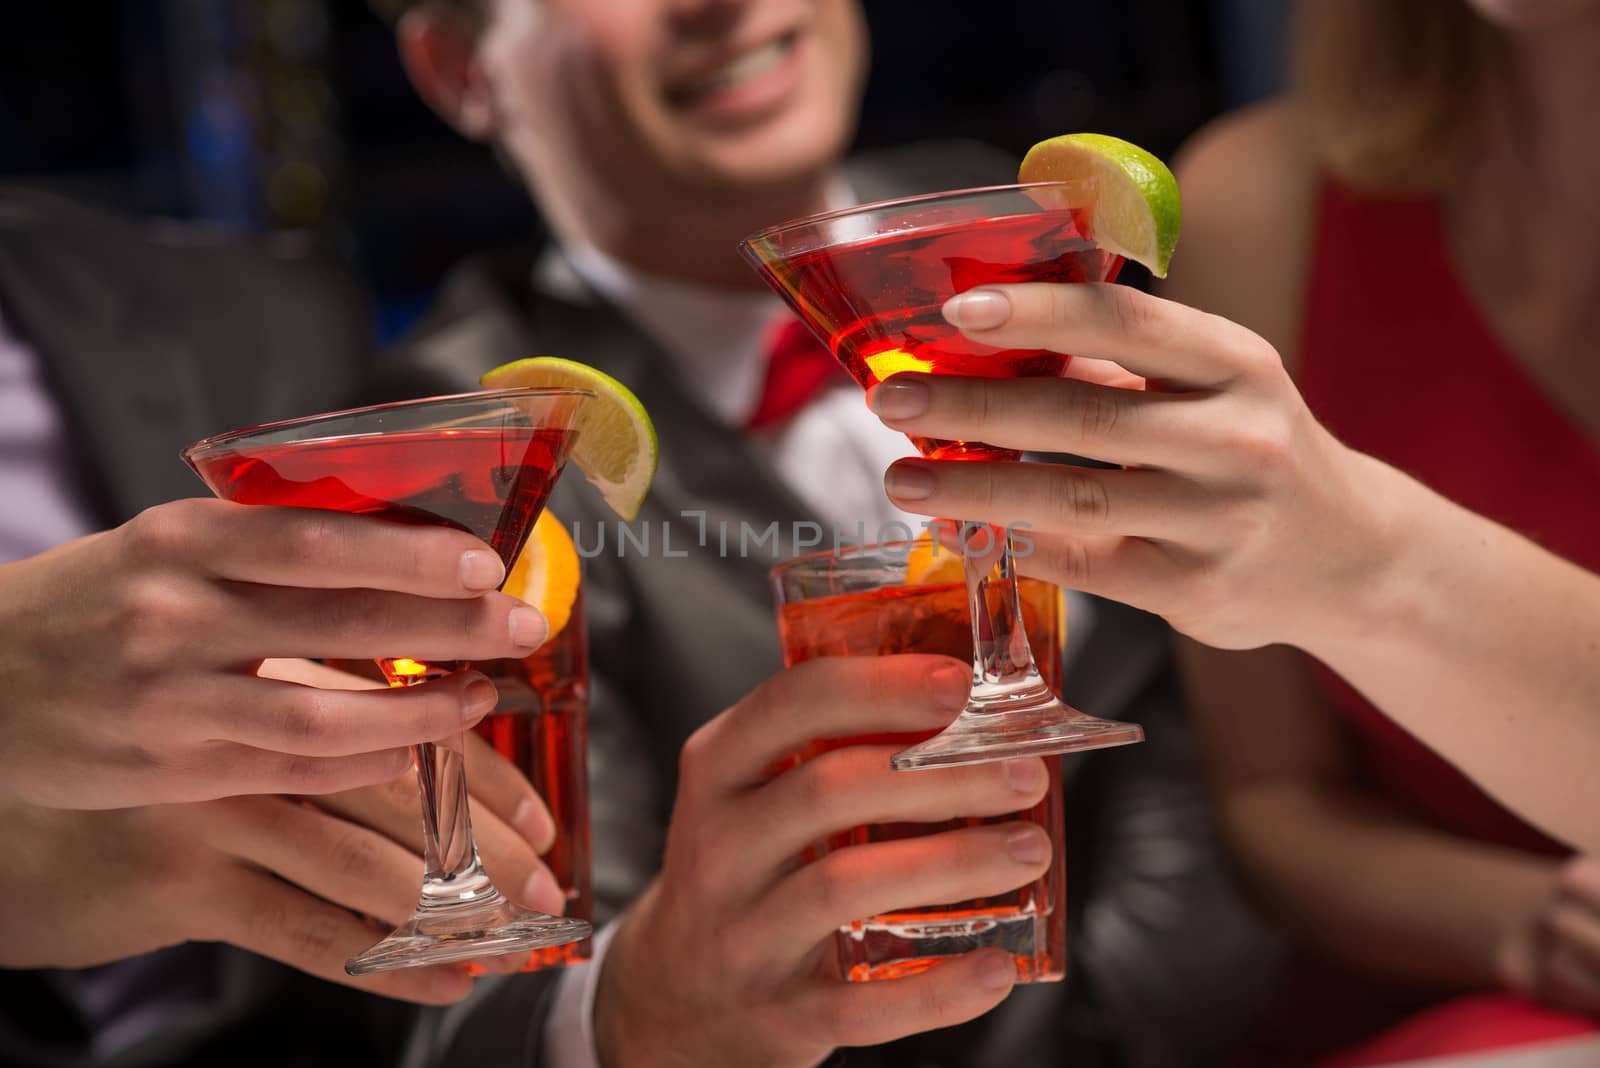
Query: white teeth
752	64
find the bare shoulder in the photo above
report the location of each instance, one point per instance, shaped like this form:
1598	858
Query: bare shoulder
1249	184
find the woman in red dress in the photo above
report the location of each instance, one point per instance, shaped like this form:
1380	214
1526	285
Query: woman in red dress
1379	526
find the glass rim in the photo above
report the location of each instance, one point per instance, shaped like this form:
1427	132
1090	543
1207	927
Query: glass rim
783	566
232	436
768	232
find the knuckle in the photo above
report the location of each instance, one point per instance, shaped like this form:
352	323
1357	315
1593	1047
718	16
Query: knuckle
354	856
269	819
1093	411
1080	499
817	782
790	686
345	616
1068	562
976	401
306	775
1263	448
696	755
886	680
150	623
412	555
271	923
1062	309
1256	357
304	717
1133	313
161	533
313	937
833	881
310	538
1580	879
396	792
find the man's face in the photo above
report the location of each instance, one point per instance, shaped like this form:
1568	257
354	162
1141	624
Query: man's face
666	99
1516	15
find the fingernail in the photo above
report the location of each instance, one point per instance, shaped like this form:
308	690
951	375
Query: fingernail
531	822
951	686
902	397
528	627
542	893
997	973
977	309
909	482
1025	776
1026	845
451	984
478	700
481	570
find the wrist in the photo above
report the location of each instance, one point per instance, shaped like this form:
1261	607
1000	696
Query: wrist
1374	586
614	1044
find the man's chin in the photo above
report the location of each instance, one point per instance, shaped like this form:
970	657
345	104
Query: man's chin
768	166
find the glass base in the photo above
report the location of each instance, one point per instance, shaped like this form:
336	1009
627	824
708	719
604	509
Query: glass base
1020	720
488	927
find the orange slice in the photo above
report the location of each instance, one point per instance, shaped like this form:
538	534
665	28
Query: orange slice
546	572
932	564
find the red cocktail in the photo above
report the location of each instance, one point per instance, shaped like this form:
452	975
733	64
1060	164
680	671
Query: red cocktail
479	462
880	298
541	724
490	482
854	603
870	282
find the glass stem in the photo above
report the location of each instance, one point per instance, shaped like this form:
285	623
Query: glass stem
1003	671
452	873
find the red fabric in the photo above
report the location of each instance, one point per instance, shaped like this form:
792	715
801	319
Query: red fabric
1465	1025
1397	361
798	368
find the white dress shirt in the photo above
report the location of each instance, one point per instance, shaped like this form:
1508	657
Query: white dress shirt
44	504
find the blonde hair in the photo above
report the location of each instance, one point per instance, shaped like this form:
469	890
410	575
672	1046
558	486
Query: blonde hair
1392	89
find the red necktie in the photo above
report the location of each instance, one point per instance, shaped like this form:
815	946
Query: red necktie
798	368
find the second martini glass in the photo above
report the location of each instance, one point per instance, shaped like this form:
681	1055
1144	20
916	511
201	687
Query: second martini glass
480	462
870	282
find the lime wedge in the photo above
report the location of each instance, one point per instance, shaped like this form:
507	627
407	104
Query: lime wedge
616	446
1137	213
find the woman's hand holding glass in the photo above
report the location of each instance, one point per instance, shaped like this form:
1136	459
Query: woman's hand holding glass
1234	514
1242	521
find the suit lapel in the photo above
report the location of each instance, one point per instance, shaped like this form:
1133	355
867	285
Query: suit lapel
701	460
127	386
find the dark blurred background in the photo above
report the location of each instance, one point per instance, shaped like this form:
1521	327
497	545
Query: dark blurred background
295	114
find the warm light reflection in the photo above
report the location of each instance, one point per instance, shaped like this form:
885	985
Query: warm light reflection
406	667
895	361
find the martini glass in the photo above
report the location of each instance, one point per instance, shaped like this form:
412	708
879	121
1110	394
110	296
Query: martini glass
870	283
480	462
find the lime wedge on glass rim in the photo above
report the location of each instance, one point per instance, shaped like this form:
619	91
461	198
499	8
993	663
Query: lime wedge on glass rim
1137	211
616	446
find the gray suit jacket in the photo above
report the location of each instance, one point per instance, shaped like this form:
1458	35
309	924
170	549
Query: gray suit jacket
1166	965
150	338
